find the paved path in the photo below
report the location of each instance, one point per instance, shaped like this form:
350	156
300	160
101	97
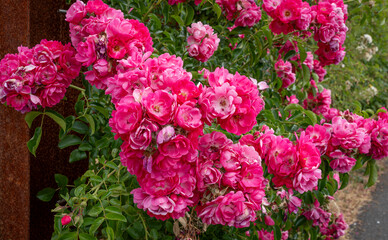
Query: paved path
373	220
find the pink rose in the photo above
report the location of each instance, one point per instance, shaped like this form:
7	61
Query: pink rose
86	52
197	30
141	138
76	12
159	105
340	162
188	116
96	6
126	117
306	180
177	147
248	17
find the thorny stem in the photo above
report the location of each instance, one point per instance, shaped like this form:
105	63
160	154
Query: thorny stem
78	88
145	226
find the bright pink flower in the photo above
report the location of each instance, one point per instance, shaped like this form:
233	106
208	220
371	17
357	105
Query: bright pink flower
269	221
188	116
207	175
248	17
289	10
306	180
177	147
142	136
251	177
96	6
159	105
76	12
309	155
320	136
52	94
340	162
346	134
162	205
86	52
379	140
211	145
197	30
202	42
65	220
282	160
126	117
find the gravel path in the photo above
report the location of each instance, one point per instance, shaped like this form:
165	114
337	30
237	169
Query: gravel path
373	220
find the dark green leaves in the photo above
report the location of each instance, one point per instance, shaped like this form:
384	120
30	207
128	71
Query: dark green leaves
34	141
30	117
372	171
77	155
61	180
58	118
46	194
69	140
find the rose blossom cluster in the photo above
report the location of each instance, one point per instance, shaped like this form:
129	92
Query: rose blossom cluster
322	219
293	166
284	71
330	30
202	42
288	15
349	135
246	13
37	76
102	36
232	100
160	114
230	180
319	102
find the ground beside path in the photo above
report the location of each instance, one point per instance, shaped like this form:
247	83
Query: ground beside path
372	221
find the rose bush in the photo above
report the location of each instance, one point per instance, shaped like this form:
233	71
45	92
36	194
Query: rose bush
191	122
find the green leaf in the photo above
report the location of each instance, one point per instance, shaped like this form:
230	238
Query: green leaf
46	194
61	180
85	146
154	234
277	233
80	127
311	116
302	54
190	15
102	110
58	118
33	143
293	106
112	209
217	9
95	211
178	20
156	20
289	55
95	225
91	123
116	217
77	155
110	233
69	236
85	236
372	173
306	73
69	140
344	180
30	117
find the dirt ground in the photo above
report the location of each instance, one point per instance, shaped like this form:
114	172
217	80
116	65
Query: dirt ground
353	202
